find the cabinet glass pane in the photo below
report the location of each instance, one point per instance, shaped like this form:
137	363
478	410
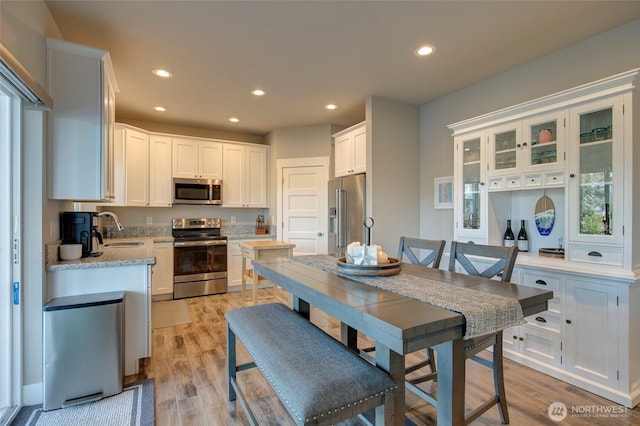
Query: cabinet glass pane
505	150
544	143
471	184
596	174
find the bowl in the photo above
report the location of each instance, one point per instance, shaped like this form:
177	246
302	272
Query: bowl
70	251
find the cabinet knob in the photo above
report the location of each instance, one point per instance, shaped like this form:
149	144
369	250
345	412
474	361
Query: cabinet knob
568	321
482	183
524	144
319	234
521	339
518	145
515	337
572	175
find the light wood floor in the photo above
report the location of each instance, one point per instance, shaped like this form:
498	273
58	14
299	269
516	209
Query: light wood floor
188	365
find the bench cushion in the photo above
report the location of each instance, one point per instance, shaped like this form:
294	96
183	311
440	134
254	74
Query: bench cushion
312	373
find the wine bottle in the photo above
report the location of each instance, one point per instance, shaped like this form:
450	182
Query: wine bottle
509	239
523	241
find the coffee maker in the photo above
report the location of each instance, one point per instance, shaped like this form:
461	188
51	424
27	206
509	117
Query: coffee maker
81	228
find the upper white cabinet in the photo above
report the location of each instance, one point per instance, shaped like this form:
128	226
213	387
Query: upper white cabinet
244	182
136	147
351	150
195	158
576	146
83	86
160	148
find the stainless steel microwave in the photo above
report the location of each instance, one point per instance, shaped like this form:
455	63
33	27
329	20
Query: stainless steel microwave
197	191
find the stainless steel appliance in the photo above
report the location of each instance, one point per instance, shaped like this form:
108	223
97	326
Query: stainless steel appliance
199	257
346	212
197	191
83	348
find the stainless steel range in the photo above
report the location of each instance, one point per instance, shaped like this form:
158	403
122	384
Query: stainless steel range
200	257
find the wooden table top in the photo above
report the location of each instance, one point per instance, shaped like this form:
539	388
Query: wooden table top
266	244
399	322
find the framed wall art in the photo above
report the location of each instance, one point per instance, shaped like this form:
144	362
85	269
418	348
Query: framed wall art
443	193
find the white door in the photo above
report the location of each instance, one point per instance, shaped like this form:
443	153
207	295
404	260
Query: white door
304	200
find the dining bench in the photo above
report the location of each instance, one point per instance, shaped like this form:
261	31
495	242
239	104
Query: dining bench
318	379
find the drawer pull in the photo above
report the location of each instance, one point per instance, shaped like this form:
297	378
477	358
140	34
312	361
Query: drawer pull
541	282
594	254
541	319
568	321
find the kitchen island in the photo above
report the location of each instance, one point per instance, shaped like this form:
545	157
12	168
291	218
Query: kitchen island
121	267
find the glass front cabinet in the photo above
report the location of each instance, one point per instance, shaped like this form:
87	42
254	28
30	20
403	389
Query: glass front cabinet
470	195
596	176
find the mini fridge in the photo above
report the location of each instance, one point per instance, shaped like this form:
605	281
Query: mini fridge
83	348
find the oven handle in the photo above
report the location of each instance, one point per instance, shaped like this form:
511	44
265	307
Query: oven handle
200	243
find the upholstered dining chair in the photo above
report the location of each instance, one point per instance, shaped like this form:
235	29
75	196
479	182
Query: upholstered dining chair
502	261
427	253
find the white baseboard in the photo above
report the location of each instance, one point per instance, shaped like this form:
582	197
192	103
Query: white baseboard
32	394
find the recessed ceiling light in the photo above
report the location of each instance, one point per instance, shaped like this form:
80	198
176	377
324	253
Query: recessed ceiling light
160	108
234	120
161	73
331	106
258	92
425	50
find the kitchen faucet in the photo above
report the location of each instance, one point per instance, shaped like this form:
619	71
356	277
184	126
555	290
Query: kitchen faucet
113	215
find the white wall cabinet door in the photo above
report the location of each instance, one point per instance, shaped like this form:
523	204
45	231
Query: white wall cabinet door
244	182
590	330
137	168
82	83
162	272
184	158
209	160
160	149
350	150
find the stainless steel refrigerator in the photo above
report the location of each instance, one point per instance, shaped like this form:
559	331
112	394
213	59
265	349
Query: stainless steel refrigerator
346	213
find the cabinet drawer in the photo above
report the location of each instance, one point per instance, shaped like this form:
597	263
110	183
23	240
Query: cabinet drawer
545	321
496	184
545	282
533	180
554	179
513	182
590	253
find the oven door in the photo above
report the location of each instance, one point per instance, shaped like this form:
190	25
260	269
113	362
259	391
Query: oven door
199	268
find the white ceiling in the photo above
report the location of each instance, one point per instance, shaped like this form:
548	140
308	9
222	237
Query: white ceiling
306	54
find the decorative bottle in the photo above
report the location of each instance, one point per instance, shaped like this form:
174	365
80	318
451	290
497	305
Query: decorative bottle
509	238
523	241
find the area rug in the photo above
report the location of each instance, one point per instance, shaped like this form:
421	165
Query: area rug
168	313
134	406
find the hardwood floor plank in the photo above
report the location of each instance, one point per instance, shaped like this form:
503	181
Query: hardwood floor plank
188	366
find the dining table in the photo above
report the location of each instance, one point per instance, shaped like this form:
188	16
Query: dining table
399	323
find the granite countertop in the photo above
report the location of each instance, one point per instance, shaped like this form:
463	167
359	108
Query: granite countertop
112	256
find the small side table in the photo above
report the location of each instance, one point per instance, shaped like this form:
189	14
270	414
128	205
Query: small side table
256	250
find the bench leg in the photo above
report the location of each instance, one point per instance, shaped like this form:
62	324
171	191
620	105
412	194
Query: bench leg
349	337
392	363
231	363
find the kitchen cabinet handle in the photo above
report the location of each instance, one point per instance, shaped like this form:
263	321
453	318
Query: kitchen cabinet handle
515	337
518	145
541	282
541	319
594	254
572	175
568	321
521	339
524	144
481	183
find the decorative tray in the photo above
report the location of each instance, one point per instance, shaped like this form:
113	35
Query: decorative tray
393	267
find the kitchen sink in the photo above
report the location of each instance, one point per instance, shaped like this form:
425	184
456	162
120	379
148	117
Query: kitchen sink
125	244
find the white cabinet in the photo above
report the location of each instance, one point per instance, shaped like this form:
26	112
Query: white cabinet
590	331
234	263
351	150
596	177
160	149
577	145
162	273
136	147
244	176
195	158
82	84
470	194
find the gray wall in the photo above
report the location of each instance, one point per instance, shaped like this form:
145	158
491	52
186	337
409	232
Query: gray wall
607	54
393	170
